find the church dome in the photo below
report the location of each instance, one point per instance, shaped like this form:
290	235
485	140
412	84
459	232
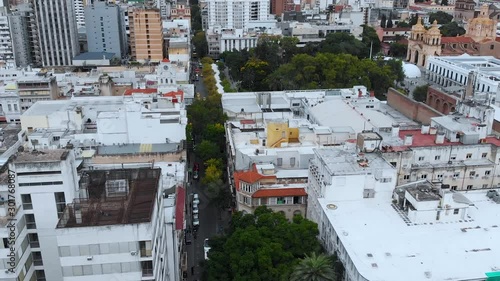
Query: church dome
411	70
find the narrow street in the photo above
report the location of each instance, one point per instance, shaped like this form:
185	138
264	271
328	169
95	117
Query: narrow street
211	222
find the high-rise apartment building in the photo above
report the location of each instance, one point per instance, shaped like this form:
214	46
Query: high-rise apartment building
6	50
146	34
104	29
58	33
26	45
79	6
236	14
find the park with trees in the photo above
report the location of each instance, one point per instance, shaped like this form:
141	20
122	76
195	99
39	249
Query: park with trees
267	246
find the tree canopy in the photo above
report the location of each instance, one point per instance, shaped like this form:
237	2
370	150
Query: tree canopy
452	29
261	246
420	93
314	268
441	17
326	70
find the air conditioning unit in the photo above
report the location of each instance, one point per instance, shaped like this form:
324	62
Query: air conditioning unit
133	253
89	258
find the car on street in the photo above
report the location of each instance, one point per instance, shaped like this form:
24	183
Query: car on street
196	167
196	222
206	248
195	209
188	238
196	199
196	175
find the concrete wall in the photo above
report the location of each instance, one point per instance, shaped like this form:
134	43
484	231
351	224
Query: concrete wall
412	109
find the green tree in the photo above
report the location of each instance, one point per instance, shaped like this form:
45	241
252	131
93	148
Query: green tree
343	43
420	93
314	268
254	72
389	21
444	2
207	149
220	194
398	50
452	29
441	17
215	162
235	60
212	174
403	24
200	43
195	17
383	21
370	38
261	246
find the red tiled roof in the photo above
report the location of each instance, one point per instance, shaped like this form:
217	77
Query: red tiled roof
175	95
458	39
279	192
397	29
250	177
130	92
180	202
420	139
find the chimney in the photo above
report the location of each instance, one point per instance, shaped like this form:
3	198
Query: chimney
425	129
395	130
432	131
360	93
408	140
78	214
440	138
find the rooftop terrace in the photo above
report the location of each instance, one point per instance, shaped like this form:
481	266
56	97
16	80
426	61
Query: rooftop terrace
382	246
124	196
52	155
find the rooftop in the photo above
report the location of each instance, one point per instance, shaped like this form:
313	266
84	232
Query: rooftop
180	200
279	192
340	161
135	148
8	136
461	250
95	56
124	196
52	155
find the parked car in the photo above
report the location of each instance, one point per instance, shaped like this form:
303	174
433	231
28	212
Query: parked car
196	199
188	237
195	175
195	209
196	167
196	222
206	248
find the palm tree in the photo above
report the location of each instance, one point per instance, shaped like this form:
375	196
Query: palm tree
314	268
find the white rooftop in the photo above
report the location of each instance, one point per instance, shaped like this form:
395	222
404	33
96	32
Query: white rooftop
384	248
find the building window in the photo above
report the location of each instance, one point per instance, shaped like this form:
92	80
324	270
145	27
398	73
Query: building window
406	177
454	187
37	258
472	174
487	173
368	193
145	248
484	155
437	157
421	158
468	156
485	186
455	211
424	176
456	175
279	162
492	47
453	157
469	187
30	221
292	161
440	176
60	203
280	200
26	200
33	240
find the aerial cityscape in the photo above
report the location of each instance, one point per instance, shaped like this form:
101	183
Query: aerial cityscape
250	140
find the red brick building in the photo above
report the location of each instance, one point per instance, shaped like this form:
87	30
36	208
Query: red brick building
441	101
